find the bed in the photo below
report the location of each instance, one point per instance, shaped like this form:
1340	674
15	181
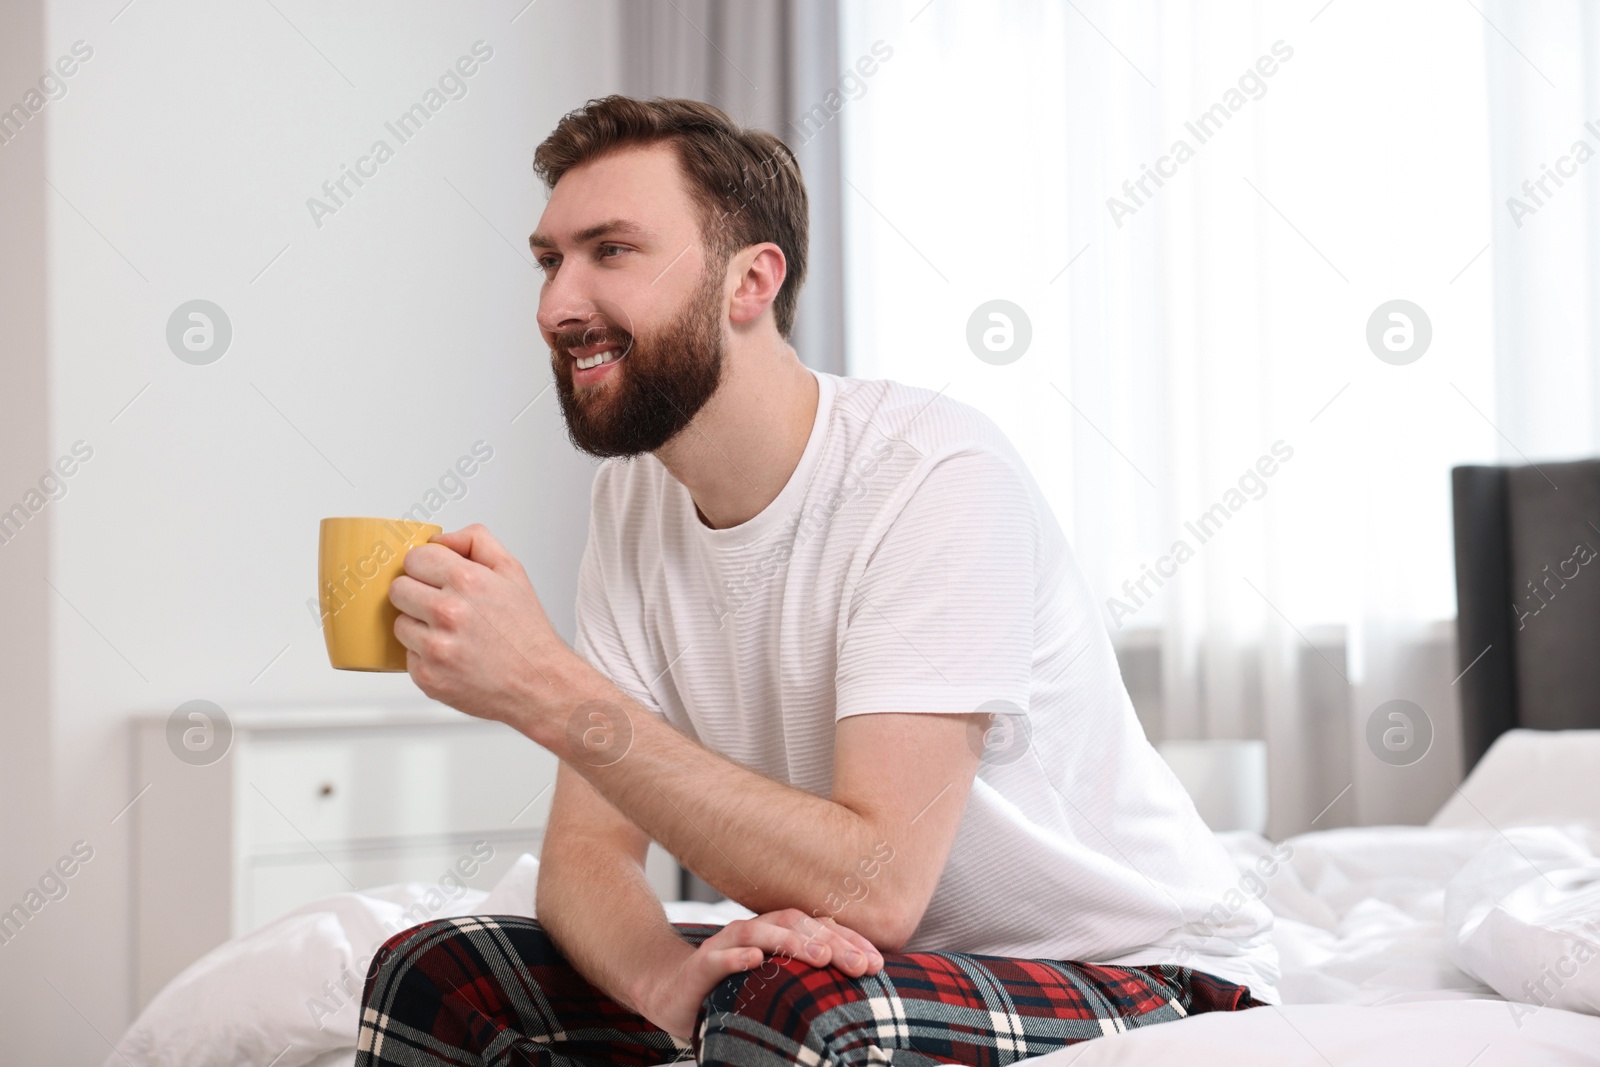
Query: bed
1400	944
1473	941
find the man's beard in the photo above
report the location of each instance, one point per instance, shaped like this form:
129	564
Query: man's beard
657	386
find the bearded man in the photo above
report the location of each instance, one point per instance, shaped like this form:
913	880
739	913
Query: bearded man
833	653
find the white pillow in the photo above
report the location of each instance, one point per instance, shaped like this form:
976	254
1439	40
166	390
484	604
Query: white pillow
294	986
1529	778
292	989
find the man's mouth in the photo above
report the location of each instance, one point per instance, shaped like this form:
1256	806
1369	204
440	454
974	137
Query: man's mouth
595	355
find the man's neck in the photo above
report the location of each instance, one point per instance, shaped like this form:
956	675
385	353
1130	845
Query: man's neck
737	454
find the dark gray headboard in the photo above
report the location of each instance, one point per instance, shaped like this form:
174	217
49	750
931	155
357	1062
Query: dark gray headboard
1524	592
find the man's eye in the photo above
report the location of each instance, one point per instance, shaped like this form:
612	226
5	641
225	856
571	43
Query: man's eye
550	262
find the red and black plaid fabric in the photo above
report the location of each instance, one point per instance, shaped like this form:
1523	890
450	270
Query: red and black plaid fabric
494	989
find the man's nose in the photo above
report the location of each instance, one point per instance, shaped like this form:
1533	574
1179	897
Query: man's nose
568	319
563	306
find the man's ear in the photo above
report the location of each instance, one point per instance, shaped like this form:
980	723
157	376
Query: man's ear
759	271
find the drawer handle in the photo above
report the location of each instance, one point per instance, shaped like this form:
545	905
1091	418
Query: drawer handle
326	790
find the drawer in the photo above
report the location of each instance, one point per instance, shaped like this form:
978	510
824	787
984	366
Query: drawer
310	800
293	789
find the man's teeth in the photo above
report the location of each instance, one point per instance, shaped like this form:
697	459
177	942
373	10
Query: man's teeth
596	359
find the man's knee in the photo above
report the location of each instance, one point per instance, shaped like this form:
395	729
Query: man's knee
781	994
761	984
402	951
394	943
432	948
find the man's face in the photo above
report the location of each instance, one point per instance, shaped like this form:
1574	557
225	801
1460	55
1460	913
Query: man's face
627	278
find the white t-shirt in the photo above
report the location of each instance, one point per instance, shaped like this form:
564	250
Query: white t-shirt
911	564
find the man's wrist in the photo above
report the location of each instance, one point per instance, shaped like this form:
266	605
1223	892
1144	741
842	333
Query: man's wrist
548	715
646	981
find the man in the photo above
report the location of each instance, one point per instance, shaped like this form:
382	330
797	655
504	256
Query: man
833	653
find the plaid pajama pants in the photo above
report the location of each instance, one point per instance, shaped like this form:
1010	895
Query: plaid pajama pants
495	990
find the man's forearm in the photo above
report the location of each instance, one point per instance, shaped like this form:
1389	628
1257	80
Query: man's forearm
760	842
603	915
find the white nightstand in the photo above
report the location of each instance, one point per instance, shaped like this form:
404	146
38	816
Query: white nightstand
311	802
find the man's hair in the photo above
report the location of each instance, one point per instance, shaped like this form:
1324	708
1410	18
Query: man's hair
745	183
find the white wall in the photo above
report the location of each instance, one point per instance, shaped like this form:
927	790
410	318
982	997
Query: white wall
370	354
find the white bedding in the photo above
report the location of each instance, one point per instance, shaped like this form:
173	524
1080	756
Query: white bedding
1374	942
1457	1033
1399	945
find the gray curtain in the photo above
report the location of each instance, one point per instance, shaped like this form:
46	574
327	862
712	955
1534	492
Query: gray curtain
765	63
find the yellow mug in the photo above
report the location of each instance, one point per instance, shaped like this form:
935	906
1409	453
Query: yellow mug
357	559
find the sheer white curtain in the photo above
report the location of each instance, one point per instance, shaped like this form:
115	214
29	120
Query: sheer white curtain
1336	157
1545	116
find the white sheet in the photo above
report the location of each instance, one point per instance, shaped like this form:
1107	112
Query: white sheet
1360	912
1524	916
1456	1033
1367	941
341	1057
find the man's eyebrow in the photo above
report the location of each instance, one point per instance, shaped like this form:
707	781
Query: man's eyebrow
617	227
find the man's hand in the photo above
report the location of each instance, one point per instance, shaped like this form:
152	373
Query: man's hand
476	636
671	999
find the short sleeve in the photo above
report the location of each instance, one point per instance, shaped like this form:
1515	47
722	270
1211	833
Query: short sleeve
941	619
599	638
